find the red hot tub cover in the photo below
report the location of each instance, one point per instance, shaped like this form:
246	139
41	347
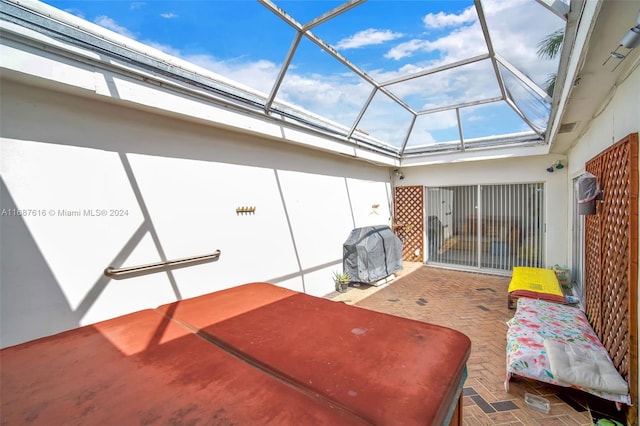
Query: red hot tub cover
252	354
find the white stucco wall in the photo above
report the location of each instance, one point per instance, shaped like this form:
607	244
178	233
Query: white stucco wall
508	170
617	118
104	165
175	186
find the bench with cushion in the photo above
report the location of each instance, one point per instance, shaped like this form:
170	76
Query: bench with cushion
555	344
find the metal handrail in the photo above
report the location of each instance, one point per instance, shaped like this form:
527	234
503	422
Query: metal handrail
151	268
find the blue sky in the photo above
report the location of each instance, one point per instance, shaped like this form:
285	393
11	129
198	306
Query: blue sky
244	41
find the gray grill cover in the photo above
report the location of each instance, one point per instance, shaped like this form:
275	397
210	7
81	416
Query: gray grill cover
371	254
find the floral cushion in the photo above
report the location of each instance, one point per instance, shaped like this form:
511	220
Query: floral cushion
537	320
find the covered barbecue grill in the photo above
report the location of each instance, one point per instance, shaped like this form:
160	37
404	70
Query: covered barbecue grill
371	254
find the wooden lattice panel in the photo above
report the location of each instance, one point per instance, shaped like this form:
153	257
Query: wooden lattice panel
615	264
409	221
611	268
593	267
592	272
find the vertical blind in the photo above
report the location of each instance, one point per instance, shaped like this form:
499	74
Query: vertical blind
492	227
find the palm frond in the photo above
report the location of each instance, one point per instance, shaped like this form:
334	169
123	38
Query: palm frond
549	46
550	84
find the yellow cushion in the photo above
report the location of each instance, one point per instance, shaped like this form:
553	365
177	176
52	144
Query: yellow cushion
539	280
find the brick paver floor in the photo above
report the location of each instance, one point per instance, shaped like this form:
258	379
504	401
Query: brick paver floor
476	305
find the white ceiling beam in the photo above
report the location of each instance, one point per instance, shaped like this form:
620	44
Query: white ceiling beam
332	14
523	77
558	7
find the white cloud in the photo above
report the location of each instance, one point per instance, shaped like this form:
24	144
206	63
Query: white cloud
406	49
169	50
516	38
425	125
337	97
340	97
512	35
110	24
259	75
463	42
442	20
420	137
76	12
367	37
385	120
168	15
493	7
439	120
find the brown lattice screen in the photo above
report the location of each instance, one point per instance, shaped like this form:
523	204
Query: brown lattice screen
409	221
611	256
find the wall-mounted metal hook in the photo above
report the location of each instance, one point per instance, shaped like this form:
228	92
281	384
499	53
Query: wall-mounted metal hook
246	210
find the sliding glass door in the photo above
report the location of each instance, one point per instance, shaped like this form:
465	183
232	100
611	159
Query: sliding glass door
494	227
